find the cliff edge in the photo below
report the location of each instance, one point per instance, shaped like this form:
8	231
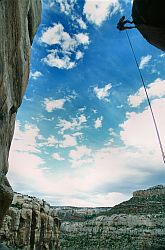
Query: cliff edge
19	21
138	223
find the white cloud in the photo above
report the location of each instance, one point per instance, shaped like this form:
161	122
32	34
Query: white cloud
65	57
82	38
82	119
80	156
138	129
77	134
79	55
82	24
27	99
79	152
47	4
98	122
51	141
162	55
96	200
154	89
75	124
57	157
99	10
103	93
24	159
69	141
54	60
40	118
51	104
35	75
66	6
94	111
112	132
29	134
25	170
144	61
54	35
109	199
120	106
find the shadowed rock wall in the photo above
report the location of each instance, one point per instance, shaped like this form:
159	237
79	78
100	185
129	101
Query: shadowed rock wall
19	20
149	17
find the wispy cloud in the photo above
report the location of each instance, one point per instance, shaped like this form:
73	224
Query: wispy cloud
75	124
57	157
154	89
66	6
82	24
68	141
144	61
51	141
80	156
54	60
98	122
162	55
35	75
96	200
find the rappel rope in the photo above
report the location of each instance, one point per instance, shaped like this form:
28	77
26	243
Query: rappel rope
148	99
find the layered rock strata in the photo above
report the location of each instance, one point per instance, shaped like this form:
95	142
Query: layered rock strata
30	224
135	224
19	20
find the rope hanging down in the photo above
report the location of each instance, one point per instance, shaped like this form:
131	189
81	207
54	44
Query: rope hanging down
148	99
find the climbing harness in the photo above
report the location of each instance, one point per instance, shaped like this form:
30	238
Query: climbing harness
148	99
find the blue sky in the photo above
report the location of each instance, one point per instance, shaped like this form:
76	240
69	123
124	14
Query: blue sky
84	135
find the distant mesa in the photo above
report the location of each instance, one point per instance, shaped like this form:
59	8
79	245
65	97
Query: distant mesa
149	18
138	223
156	190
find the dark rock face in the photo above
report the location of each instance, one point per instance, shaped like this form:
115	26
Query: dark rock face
19	20
149	17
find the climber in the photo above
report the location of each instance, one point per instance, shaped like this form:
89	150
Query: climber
121	24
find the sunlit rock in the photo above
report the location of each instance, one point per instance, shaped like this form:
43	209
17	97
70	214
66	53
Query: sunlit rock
19	20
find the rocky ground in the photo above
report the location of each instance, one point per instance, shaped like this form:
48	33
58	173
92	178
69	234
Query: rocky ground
135	224
30	224
79	214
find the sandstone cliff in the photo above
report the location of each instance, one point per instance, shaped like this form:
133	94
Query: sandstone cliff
68	213
19	20
135	224
30	224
